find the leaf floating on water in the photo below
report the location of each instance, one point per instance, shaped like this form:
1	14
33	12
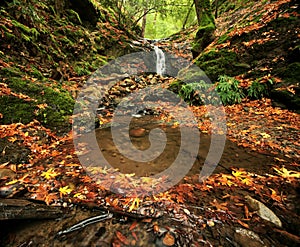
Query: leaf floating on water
133	225
169	239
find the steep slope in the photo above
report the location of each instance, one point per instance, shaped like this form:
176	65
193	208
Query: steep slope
257	42
47	50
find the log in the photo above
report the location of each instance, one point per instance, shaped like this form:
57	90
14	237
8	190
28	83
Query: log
17	209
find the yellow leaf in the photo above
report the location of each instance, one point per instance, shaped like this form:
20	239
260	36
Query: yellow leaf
79	196
65	190
49	174
135	204
12	139
12	182
239	173
285	173
265	135
246	181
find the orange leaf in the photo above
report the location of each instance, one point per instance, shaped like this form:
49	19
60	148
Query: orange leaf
134	224
169	239
122	238
243	224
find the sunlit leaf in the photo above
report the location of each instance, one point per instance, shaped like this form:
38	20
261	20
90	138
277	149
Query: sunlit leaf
283	172
65	190
50	173
265	135
135	204
169	239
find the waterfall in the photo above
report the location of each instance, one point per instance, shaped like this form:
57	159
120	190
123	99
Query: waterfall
160	61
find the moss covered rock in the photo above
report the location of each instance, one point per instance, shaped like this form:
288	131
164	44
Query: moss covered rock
205	32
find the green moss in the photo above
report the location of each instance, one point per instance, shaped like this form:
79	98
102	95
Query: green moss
59	103
222	39
16	110
205	32
222	62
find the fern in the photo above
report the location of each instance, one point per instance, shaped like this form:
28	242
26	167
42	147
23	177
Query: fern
229	91
257	90
194	93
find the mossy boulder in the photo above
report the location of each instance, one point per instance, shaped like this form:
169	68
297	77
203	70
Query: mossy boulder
16	110
220	62
51	106
204	36
205	32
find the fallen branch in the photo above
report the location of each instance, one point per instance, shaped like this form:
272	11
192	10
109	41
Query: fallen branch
288	235
85	223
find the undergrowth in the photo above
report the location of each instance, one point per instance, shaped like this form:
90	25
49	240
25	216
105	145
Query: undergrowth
227	91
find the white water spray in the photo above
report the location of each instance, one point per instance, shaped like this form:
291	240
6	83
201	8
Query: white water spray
160	61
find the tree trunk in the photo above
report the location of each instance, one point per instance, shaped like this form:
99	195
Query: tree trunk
198	10
187	16
217	6
144	22
205	33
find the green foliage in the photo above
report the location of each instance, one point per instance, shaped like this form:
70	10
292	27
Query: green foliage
257	90
75	14
194	93
229	90
175	16
28	34
222	39
164	17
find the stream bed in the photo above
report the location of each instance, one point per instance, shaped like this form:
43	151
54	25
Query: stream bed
122	230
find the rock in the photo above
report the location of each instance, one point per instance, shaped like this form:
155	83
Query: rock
263	211
123	84
139	132
246	238
5	172
153	81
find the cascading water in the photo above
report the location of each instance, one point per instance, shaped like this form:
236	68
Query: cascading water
160	61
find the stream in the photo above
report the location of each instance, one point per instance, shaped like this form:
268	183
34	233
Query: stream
122	230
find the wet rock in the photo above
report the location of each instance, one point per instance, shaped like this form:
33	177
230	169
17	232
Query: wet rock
153	81
138	132
246	238
11	190
263	211
4	172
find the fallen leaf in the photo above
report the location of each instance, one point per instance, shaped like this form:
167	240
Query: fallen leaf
50	173
65	190
122	238
169	239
